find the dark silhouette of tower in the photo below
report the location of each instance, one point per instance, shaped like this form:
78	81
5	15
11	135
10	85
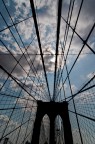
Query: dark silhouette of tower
52	109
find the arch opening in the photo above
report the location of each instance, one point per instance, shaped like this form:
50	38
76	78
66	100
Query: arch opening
45	130
59	130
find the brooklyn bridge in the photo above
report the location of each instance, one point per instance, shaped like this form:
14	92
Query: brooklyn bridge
47	72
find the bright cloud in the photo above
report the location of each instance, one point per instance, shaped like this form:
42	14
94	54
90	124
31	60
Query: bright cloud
28	102
90	75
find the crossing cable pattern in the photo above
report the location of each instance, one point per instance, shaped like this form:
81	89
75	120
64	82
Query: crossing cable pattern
79	130
26	80
38	37
57	43
21	41
18	100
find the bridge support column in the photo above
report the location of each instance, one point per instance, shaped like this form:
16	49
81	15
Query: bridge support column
52	109
37	126
52	131
67	125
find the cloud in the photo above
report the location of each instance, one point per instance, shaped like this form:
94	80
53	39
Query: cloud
22	9
26	29
8	62
6	35
47	30
35	85
4	119
44	8
90	75
46	11
13	134
86	18
1	84
85	98
47	22
84	25
74	88
34	88
28	102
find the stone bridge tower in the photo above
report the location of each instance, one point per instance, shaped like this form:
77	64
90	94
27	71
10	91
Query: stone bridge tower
52	109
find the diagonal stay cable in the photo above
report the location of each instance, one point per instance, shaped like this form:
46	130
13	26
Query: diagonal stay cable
71	7
21	83
73	102
14	66
21	40
22	120
73	35
66	71
79	36
93	52
59	71
16	108
16	128
16	30
13	109
21	55
19	37
16	81
17	44
87	117
68	19
39	43
73	32
84	43
57	43
82	89
8	95
25	136
15	24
